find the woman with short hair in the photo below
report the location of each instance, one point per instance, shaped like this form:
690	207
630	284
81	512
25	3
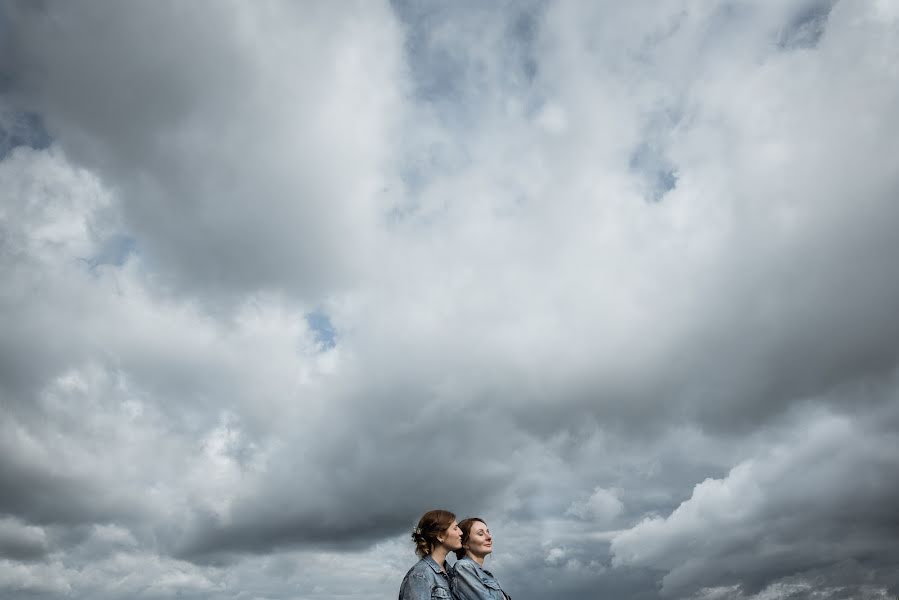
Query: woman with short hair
471	581
436	536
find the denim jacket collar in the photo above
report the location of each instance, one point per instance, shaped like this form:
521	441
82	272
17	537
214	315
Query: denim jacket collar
433	564
475	563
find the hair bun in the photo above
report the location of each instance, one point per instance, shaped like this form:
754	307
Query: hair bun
430	526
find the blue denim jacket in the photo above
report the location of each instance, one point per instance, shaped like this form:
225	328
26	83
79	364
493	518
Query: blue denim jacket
425	581
471	581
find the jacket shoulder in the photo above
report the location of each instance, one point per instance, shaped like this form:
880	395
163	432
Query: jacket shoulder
465	565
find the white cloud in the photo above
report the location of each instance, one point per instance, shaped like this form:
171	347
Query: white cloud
19	578
796	505
602	505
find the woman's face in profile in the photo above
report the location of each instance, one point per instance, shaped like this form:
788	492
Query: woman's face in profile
452	537
480	542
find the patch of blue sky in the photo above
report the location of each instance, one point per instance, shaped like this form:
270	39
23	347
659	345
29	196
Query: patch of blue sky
22	128
523	31
460	78
649	161
654	169
804	31
448	73
114	251
322	328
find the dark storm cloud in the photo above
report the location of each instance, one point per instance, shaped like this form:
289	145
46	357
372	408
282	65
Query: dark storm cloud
21	129
220	190
385	470
47	497
21	543
819	497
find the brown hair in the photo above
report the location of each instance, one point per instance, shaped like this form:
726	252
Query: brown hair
466	526
430	525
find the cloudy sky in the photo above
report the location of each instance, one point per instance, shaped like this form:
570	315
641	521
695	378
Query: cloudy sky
619	277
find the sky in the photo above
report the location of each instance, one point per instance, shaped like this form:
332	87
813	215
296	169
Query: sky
617	277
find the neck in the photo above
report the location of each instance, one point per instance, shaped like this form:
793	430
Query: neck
477	559
439	556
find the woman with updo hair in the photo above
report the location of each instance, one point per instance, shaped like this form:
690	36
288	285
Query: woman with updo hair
471	581
436	535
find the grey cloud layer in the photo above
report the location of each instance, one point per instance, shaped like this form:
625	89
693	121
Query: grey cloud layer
246	137
821	498
619	279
